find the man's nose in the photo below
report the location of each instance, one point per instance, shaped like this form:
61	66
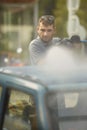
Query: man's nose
45	33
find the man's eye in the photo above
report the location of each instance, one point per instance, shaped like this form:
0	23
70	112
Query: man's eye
49	30
42	30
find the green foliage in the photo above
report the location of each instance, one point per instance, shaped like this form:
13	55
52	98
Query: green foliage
4	42
46	7
61	14
82	13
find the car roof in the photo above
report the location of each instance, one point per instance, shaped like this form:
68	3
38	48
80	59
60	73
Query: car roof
20	76
38	74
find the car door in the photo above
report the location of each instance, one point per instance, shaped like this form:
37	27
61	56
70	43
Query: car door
18	110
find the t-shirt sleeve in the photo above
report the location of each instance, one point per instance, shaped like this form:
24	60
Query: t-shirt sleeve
35	53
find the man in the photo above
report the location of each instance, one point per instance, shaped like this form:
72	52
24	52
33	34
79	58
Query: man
45	39
77	47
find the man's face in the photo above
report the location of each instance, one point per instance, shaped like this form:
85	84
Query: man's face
46	33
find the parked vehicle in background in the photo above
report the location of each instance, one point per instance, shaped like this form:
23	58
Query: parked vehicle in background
33	100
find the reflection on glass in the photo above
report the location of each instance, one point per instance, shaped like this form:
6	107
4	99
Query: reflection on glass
21	113
68	110
0	91
71	100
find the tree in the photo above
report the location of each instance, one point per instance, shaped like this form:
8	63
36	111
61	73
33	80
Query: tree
46	7
61	14
82	13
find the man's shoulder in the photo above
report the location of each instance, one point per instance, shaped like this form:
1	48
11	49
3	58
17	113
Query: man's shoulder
35	41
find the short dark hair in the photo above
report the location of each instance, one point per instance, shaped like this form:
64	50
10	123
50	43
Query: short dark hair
47	20
75	39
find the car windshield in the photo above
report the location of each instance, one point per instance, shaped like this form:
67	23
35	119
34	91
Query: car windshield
68	110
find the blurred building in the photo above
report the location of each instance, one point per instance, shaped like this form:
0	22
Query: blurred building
17	20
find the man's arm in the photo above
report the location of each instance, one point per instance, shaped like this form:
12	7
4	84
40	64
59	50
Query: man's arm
36	52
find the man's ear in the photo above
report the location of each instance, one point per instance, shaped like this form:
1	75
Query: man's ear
37	27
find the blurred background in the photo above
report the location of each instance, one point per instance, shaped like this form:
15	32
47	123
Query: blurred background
18	20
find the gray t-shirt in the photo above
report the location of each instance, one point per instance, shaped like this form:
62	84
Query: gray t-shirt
38	49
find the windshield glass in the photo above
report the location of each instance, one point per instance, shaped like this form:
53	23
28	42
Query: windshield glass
68	110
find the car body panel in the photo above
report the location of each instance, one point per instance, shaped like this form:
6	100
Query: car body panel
32	80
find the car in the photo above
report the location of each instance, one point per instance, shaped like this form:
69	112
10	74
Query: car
31	99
